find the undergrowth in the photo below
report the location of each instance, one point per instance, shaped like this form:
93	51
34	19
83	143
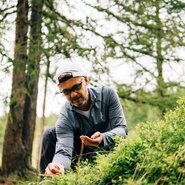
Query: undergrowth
155	154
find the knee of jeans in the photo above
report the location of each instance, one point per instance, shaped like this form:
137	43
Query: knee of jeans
49	134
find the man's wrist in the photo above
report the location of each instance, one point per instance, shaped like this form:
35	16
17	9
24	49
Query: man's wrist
102	142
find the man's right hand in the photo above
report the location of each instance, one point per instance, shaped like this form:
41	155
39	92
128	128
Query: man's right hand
54	169
95	140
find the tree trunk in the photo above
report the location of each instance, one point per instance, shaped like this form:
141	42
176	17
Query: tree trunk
13	148
17	149
160	59
32	78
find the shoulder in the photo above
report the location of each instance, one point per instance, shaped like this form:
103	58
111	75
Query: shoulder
109	94
104	93
108	90
102	89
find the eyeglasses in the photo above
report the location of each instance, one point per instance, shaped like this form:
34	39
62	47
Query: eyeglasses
75	88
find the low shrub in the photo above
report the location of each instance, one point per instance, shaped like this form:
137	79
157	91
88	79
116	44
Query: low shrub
154	154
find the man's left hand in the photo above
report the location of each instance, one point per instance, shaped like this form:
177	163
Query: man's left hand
95	140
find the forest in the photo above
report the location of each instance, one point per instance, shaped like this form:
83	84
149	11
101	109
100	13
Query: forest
136	47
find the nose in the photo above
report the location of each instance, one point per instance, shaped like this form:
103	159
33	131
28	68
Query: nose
73	94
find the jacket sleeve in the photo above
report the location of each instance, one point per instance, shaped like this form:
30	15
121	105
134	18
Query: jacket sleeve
64	144
117	122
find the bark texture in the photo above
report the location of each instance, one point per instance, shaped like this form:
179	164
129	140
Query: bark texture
13	148
18	140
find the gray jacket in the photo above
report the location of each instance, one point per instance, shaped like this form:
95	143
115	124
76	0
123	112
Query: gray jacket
106	116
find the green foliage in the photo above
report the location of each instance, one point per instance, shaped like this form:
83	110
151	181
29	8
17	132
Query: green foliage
152	155
3	121
51	120
2	126
142	105
138	112
177	5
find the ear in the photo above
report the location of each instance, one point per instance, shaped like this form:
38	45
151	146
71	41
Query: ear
58	85
86	80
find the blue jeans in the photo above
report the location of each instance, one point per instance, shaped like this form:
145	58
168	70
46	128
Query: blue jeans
47	148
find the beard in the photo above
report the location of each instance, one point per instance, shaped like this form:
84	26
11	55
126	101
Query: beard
80	101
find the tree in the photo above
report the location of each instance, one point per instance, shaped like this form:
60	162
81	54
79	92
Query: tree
21	119
32	78
147	36
13	148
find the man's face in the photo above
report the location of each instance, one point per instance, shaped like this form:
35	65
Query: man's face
75	90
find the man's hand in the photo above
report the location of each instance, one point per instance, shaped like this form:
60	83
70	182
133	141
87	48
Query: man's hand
54	169
94	140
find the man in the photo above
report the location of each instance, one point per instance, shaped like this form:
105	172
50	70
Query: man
92	116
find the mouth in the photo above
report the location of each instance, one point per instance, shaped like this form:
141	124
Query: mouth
76	100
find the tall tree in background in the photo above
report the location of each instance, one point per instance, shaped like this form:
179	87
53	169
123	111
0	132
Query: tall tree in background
13	148
32	78
21	120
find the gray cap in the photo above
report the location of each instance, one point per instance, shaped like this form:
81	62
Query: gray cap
68	68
